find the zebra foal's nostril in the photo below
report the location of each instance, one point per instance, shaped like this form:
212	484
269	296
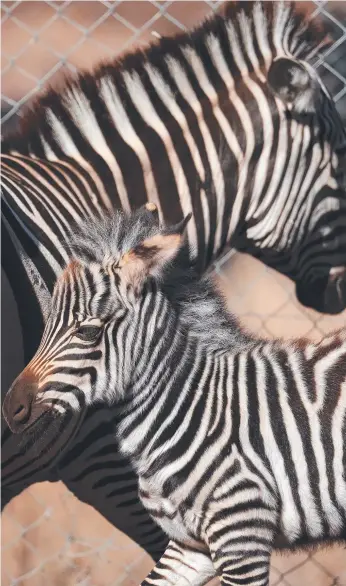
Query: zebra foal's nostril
18	403
21	406
22	413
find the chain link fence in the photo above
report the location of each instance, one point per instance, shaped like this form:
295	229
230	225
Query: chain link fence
48	536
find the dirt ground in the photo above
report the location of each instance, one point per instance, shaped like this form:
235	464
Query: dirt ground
48	536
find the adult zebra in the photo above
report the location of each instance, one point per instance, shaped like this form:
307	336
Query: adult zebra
234	446
188	112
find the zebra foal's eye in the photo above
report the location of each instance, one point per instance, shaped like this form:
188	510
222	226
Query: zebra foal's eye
88	333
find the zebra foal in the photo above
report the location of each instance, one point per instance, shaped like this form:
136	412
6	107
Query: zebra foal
237	442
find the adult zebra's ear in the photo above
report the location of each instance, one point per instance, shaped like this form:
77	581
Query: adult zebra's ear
295	83
151	257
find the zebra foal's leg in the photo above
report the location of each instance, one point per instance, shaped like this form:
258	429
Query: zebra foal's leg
181	566
241	544
249	569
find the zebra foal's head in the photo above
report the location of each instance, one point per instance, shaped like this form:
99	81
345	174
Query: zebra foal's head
100	318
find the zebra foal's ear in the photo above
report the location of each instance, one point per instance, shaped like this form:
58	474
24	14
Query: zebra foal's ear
150	257
150	212
294	84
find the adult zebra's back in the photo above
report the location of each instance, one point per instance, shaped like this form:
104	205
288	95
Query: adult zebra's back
233	106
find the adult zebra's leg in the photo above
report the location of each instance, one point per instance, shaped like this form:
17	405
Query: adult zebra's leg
181	566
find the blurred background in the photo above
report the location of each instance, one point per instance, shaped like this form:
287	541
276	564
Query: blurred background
48	536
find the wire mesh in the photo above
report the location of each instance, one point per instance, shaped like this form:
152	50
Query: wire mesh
48	536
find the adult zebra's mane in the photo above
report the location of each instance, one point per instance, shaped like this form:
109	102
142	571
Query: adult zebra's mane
271	26
200	306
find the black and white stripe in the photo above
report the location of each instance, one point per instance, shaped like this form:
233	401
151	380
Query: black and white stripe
193	125
238	443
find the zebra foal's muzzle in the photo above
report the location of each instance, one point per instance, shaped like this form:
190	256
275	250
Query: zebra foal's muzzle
20	407
326	294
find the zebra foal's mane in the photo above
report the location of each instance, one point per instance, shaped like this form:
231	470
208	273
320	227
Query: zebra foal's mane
201	308
277	25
